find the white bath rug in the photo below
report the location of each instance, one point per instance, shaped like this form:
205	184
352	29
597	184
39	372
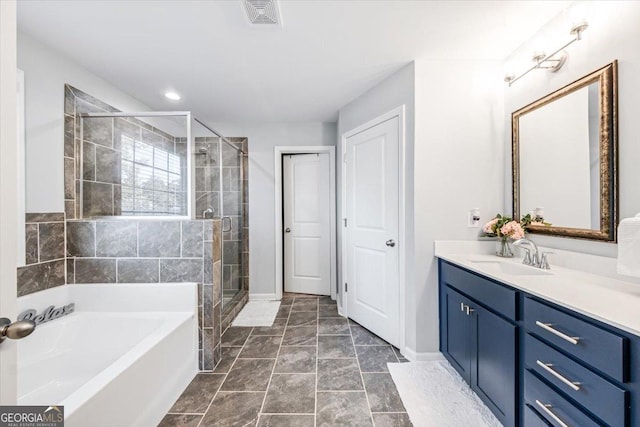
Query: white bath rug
257	313
434	395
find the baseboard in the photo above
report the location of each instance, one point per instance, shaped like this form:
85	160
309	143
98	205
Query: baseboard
263	297
413	356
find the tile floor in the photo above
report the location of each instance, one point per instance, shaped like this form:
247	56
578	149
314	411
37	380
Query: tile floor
310	368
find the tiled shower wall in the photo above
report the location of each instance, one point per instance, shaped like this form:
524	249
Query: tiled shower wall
45	253
99	143
153	251
129	250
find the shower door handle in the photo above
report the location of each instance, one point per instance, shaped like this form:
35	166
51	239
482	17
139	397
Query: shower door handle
224	229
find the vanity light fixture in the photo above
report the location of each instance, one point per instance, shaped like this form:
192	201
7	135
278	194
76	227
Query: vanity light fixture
172	96
554	61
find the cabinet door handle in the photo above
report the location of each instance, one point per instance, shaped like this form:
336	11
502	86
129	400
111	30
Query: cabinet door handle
548	327
546	408
469	310
462	306
548	367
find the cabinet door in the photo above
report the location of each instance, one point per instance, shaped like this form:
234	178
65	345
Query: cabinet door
493	369
457	346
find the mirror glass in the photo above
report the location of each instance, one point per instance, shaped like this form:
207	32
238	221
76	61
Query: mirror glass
564	170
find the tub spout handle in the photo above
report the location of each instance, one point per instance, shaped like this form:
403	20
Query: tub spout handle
15	330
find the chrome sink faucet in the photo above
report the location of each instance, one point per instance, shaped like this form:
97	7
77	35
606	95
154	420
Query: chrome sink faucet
529	258
533	257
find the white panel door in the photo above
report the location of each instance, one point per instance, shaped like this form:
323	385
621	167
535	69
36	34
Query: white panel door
372	185
307	227
9	234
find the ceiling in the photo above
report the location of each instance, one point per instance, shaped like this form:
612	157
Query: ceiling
326	54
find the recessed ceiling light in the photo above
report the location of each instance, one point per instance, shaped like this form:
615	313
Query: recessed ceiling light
172	96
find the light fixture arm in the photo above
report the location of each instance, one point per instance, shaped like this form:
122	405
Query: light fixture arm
554	61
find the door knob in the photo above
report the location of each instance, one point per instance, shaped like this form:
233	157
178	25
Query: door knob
287	230
391	243
15	330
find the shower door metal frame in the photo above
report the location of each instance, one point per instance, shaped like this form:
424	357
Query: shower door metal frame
190	164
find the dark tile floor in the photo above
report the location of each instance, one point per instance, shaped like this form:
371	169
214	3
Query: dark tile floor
310	368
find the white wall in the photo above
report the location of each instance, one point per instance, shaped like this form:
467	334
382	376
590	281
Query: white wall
459	154
613	33
396	90
46	71
454	162
262	140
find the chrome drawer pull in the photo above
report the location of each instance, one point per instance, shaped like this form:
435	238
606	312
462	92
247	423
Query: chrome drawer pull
548	411
547	327
547	367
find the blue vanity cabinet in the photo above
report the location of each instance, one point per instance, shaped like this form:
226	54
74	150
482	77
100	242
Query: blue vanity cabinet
535	363
480	344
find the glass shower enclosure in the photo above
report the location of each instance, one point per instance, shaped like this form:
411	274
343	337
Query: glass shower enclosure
167	165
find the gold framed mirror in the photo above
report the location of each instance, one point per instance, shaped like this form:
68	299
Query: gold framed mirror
565	158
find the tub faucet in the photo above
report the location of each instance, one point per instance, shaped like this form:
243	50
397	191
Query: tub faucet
529	258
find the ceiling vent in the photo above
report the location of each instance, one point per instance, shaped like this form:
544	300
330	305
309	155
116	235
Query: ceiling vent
263	12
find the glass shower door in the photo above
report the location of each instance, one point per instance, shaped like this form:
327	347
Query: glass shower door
232	183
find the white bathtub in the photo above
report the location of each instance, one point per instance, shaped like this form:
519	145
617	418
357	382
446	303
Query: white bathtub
121	359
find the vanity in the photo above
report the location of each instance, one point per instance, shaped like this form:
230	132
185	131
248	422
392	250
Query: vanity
556	347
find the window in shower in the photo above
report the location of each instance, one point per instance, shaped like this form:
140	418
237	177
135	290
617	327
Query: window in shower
135	164
152	179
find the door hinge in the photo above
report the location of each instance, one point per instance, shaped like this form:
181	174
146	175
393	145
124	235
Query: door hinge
345	222
346	287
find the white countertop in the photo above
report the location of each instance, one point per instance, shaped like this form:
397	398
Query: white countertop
610	300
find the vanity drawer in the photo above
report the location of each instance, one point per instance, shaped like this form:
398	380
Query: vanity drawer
595	346
497	297
532	418
604	399
553	407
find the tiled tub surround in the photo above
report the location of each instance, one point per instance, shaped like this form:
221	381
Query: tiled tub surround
44	253
310	368
154	251
107	167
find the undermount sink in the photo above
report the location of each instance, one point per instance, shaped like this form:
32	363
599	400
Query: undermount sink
512	268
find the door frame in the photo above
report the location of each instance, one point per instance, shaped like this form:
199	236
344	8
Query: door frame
279	151
9	233
398	112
